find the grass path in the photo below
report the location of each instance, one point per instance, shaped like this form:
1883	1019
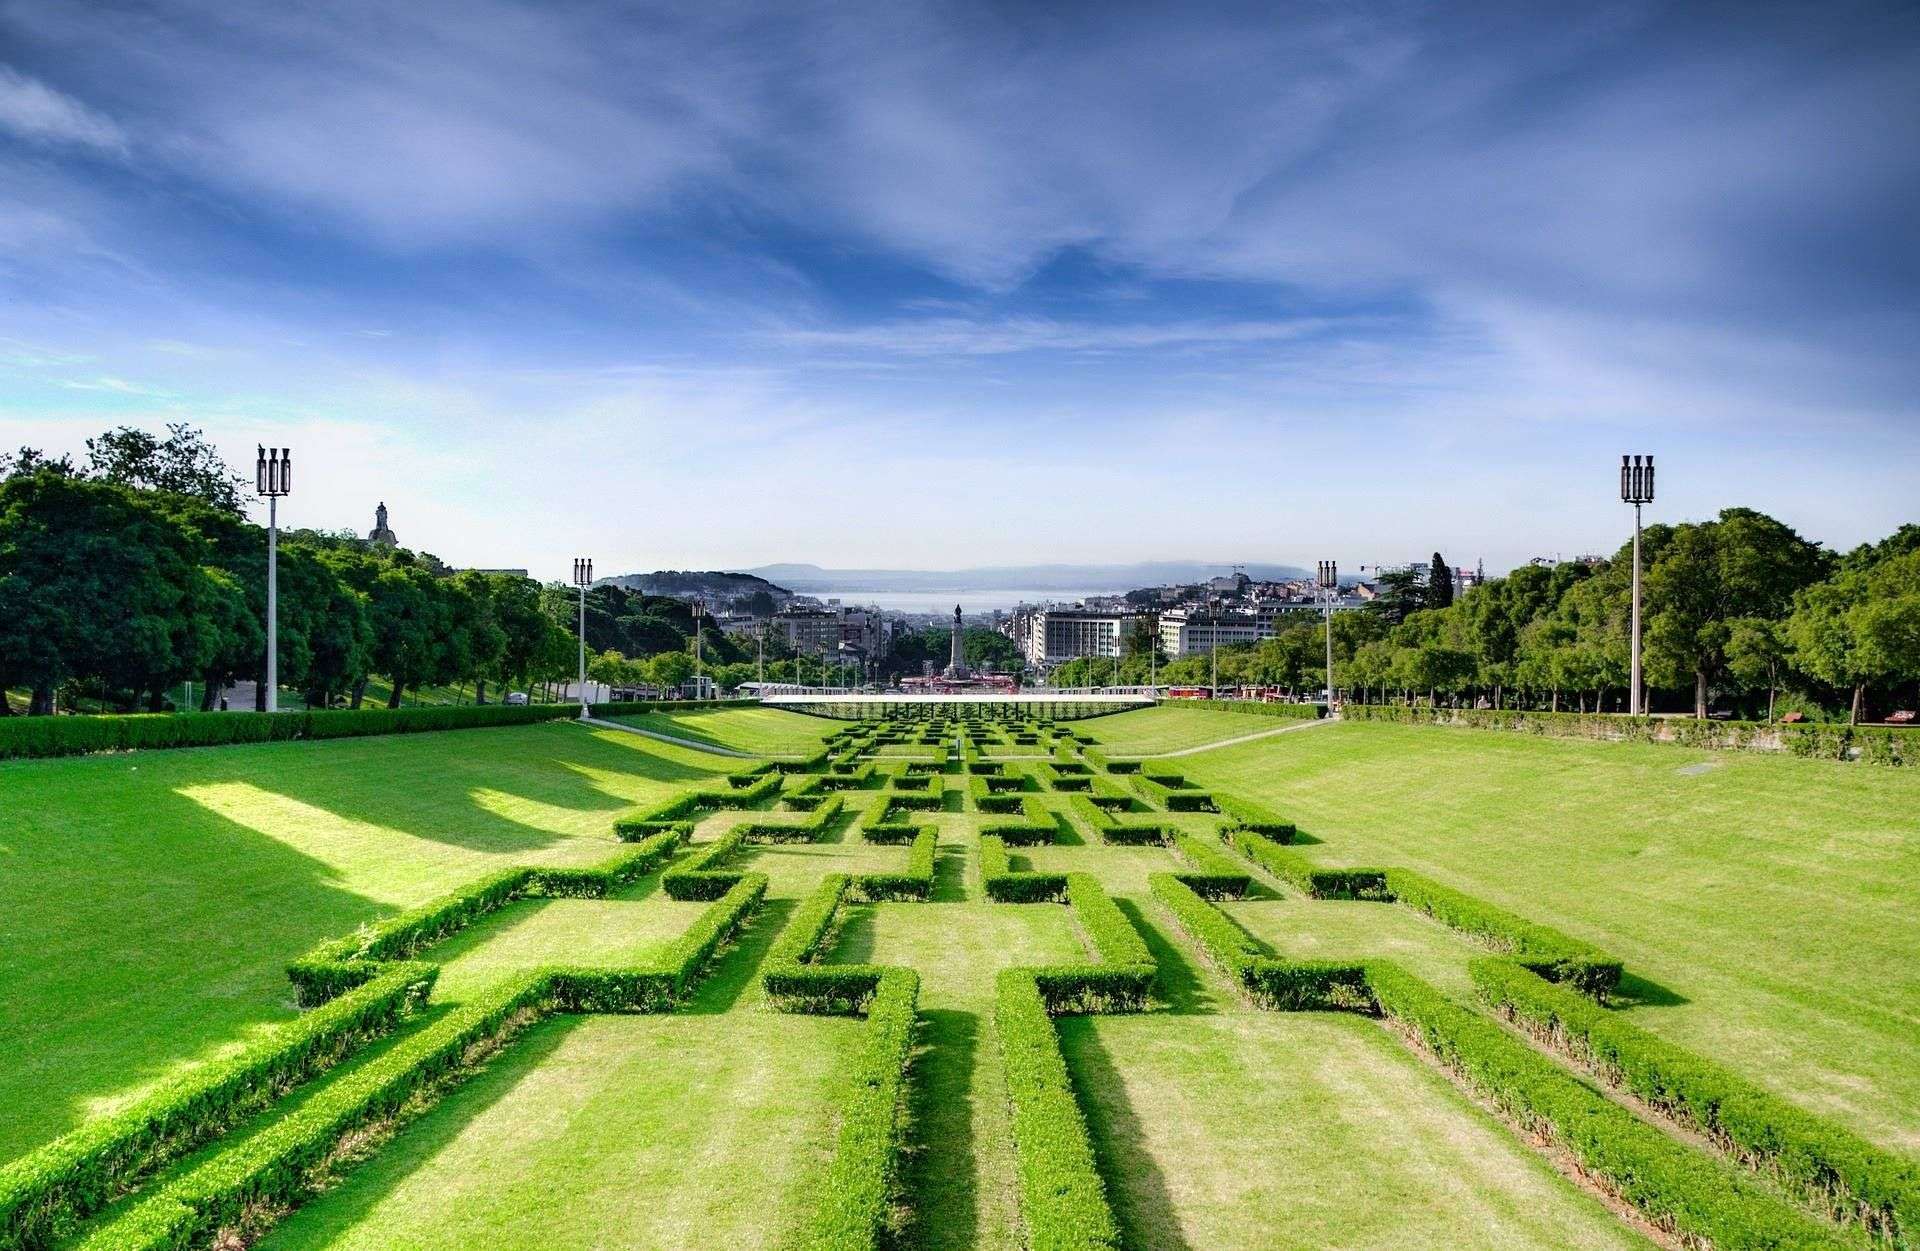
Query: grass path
1768	903
753	731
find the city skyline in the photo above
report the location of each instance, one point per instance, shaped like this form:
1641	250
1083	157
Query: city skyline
694	289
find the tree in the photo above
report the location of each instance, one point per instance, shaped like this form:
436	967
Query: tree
1757	653
1401	591
1439	584
1744	564
1860	627
669	669
183	463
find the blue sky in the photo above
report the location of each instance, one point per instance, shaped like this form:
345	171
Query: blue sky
928	285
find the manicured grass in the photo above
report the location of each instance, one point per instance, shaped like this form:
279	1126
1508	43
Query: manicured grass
761	731
606	1131
1169	727
594	933
1771	902
1335	929
961	1165
149	902
1306	1130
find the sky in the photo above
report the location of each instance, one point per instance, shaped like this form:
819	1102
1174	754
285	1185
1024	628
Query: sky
914	285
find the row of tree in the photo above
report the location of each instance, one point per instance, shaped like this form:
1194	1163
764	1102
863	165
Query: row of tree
1739	610
124	577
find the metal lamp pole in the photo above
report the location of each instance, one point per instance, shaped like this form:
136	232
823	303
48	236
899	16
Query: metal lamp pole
1636	488
1329	587
583	578
273	478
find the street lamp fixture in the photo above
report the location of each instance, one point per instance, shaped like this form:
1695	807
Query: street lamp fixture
273	478
1329	580
583	578
1636	488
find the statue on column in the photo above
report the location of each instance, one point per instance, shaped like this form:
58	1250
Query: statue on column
957	661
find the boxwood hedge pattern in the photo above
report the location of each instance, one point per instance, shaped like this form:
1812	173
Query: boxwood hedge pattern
365	989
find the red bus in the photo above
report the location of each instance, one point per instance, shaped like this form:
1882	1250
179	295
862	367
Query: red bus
1189	692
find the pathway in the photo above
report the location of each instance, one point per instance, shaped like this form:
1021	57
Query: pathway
1234	742
691	744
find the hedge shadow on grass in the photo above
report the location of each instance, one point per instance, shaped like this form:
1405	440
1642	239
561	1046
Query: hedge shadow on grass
1181	984
366	1186
736	970
939	1173
1136	1188
949	874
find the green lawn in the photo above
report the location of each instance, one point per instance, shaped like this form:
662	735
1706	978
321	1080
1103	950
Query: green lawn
761	731
1773	902
149	902
1169	727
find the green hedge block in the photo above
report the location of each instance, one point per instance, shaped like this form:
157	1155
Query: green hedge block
1003	885
46	1192
1036	825
1541	948
1300	873
1063	1200
1698	1196
1828	1165
23	737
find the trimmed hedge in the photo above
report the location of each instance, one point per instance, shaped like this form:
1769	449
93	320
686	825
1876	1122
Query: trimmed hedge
1003	885
699	876
685	807
1874	744
1681	1189
275	1167
1832	1167
1285	985
1254	707
1063	1200
1216	875
855	1192
1539	948
44	1193
915	883
1106	764
807	830
1174	792
24	737
1243	814
1036	825
1300	873
1113	830
339	964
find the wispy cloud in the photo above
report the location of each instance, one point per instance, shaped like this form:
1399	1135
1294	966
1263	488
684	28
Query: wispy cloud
35	112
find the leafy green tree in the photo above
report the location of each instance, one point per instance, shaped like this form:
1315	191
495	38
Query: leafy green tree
1860	627
1744	564
1401	591
182	463
1757	655
1439	584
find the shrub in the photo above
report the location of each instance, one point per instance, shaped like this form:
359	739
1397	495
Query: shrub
1300	873
852	1197
1245	815
1063	1201
1255	708
1677	1187
1285	985
808	830
1217	875
915	883
699	876
1831	1166
45	1192
22	737
1113	830
1003	885
1540	948
1036	825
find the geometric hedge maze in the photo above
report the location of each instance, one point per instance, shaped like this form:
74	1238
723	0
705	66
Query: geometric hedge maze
1538	1045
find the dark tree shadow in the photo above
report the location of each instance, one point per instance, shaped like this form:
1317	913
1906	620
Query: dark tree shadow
1142	1203
1065	832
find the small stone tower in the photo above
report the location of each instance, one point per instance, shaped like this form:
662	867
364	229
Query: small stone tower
381	536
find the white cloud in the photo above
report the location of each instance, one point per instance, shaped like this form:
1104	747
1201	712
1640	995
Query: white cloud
33	111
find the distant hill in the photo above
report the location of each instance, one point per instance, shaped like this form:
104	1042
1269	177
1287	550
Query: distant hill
715	585
808	579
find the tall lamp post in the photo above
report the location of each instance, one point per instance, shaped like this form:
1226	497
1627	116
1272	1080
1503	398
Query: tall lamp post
273	478
583	578
1636	488
1329	587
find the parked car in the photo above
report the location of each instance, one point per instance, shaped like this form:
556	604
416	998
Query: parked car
516	697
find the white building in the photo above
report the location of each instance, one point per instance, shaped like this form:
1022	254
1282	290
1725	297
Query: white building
1196	631
1055	635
